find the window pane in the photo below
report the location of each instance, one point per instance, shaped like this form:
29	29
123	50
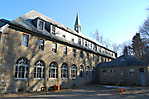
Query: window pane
25	40
41	44
41	23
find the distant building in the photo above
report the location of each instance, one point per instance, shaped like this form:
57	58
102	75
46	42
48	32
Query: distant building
37	53
125	70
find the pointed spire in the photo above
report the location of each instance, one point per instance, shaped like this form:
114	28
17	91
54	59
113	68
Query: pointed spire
77	26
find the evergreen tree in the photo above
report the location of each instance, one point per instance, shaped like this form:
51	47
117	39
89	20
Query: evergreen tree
137	46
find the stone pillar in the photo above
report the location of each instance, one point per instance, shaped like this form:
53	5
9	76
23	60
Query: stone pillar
69	72
59	77
29	77
46	76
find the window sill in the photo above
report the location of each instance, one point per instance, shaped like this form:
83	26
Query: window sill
38	78
52	78
20	78
64	78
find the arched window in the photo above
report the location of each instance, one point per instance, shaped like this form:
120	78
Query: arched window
87	70
81	71
53	70
73	71
64	71
21	68
39	69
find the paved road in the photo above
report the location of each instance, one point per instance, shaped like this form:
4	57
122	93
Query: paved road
90	93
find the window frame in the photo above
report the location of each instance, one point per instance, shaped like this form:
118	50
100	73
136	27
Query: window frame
74	52
39	65
20	64
64	71
54	47
40	26
81	54
25	40
41	44
74	71
55	69
53	30
65	50
81	75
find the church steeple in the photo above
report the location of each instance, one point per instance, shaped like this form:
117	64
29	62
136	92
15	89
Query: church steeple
77	26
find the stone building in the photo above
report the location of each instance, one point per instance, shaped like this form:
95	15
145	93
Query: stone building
37	52
125	70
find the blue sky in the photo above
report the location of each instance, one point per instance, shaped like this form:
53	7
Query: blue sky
116	20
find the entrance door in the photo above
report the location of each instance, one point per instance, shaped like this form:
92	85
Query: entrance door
142	76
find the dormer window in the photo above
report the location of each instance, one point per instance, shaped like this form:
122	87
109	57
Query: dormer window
64	36
41	25
79	41
53	29
86	43
72	40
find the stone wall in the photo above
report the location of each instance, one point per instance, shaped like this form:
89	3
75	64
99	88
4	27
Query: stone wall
122	75
13	50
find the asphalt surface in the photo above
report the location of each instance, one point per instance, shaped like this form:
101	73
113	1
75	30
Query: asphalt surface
89	92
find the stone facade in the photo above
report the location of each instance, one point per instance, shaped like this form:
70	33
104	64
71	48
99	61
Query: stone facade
31	66
125	70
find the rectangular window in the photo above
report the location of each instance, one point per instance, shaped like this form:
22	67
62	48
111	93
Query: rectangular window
64	36
91	45
54	48
74	52
40	25
72	40
93	57
41	44
25	40
86	43
65	50
81	54
79	41
87	54
53	29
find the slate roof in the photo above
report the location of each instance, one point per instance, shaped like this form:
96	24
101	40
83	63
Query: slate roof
26	18
3	22
25	22
123	61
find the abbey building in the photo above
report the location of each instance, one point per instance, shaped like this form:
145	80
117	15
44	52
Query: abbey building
37	52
